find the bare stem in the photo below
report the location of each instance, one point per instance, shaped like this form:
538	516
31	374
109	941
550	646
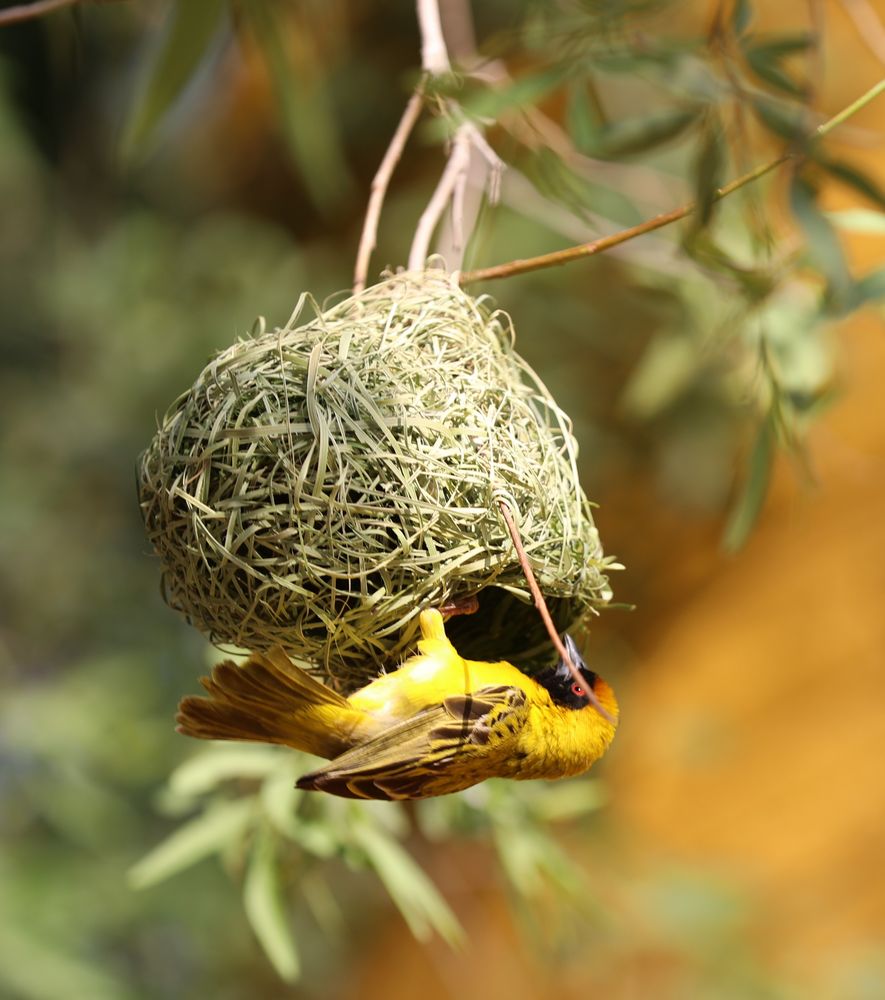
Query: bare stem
434	60
378	190
456	169
598	246
451	188
852	109
434	54
544	611
29	11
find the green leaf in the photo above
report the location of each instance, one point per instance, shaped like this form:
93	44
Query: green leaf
263	902
765	59
279	800
821	243
317	838
416	897
639	134
558	182
756	282
855	178
530	857
191	27
746	510
207	834
858	220
708	172
208	769
519	857
781	45
307	118
571	800
741	16
32	968
324	907
870	288
665	370
584	121
492	102
784	120
768	68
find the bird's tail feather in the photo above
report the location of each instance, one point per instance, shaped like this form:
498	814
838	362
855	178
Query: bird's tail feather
268	699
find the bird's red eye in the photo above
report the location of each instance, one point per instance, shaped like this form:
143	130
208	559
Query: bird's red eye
578	690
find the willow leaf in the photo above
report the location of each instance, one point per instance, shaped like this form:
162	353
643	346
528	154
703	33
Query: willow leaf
190	29
207	834
746	510
263	902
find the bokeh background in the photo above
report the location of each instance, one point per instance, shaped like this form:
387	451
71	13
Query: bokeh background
737	848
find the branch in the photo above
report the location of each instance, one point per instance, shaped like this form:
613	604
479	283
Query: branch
451	187
456	170
541	605
378	190
434	54
450	190
29	11
659	221
518	192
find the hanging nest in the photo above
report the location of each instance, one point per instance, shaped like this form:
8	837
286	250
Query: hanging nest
321	484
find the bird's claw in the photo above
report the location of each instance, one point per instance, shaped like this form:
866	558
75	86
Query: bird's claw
459	606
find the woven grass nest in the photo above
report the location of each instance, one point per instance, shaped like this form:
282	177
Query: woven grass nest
320	484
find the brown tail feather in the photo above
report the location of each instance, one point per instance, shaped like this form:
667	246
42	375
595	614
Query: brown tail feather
269	700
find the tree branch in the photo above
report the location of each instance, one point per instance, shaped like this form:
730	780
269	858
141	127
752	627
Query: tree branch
380	182
544	611
659	221
456	169
434	54
30	11
450	190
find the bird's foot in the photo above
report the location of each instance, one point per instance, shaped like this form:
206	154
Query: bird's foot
460	606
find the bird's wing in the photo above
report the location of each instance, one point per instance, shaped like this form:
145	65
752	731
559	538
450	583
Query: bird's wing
442	749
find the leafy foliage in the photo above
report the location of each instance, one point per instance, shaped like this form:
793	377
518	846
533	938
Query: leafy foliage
268	826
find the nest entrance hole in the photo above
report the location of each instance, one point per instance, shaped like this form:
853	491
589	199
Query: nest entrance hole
506	627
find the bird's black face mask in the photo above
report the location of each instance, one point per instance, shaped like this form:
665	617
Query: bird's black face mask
558	680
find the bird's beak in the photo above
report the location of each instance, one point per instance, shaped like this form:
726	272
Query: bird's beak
572	651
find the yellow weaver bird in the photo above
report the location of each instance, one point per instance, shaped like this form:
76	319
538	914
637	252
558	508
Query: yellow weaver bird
436	725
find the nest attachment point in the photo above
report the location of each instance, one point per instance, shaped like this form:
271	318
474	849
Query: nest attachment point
320	484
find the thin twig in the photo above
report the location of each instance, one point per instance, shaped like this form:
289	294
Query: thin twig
29	11
452	185
543	610
852	109
380	182
434	54
518	192
457	166
659	221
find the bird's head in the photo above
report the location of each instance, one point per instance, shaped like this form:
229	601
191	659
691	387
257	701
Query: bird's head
565	690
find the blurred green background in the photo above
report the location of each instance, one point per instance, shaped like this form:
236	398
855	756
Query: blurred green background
134	244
